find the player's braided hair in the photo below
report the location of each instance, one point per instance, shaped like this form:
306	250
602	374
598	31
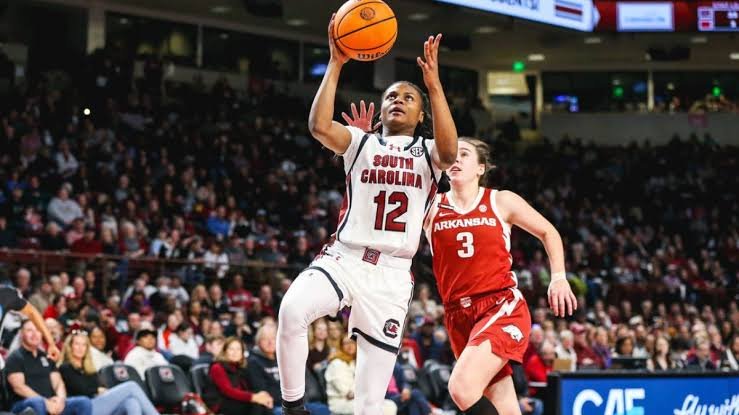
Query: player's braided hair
425	128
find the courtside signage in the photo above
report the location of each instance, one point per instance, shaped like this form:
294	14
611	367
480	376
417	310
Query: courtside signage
650	396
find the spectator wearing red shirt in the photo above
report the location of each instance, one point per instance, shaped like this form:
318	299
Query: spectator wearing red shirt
88	244
539	365
239	298
586	355
232	394
57	307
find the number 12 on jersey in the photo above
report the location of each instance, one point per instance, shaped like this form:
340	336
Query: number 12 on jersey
390	221
468	249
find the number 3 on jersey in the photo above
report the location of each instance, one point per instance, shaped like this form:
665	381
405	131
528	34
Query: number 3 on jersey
389	222
468	249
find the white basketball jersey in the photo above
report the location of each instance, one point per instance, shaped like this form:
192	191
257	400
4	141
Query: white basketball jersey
390	183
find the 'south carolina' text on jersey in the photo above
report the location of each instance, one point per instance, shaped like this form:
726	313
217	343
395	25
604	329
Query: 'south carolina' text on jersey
397	171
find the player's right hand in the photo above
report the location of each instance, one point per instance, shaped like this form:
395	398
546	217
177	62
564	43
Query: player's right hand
336	54
363	119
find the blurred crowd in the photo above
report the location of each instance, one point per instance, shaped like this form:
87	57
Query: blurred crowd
227	187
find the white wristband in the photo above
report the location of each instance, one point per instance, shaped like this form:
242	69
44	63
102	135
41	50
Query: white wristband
557	276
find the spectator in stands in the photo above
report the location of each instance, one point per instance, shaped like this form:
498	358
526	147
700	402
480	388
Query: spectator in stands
144	355
591	356
8	238
239	328
216	260
35	382
239	298
318	347
262	370
730	359
76	231
624	347
423	305
23	282
80	376
272	253
213	346
87	244
701	359
335	335
53	240
218	225
182	342
529	405
409	400
42	296
566	349
340	381
540	365
234	394
216	302
431	347
661	360
62	209
97	350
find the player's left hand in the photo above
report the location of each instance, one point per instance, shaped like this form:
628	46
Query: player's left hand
561	298
363	118
430	62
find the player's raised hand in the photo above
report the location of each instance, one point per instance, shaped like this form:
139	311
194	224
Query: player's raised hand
430	62
561	299
363	118
336	54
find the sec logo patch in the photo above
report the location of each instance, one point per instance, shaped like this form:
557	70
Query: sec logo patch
416	151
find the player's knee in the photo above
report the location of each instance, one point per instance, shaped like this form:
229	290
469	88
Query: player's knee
293	314
463	393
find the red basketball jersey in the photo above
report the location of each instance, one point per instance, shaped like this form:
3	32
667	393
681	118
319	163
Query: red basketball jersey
471	250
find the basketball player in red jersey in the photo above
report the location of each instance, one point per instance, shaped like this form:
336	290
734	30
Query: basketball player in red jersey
488	321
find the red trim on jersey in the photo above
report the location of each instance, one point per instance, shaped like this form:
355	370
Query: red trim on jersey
344	206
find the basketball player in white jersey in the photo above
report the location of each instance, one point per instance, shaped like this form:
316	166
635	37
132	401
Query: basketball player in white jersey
391	179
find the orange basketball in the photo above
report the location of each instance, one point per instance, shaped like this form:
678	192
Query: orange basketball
365	29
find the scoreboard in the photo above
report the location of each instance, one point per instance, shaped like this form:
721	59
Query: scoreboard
718	16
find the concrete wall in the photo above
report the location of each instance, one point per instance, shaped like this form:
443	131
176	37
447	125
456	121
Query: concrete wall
614	129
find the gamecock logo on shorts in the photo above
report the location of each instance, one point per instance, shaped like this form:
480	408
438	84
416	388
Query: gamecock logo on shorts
391	329
514	332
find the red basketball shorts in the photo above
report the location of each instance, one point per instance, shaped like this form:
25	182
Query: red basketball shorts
501	317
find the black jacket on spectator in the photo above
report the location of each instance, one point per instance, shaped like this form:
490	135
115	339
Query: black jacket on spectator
263	375
78	382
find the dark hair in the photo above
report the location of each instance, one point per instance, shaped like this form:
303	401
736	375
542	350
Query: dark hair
424	128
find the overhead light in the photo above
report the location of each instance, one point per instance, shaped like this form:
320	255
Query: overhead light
616	82
647	56
734	56
670	86
418	16
123	20
698	39
536	57
486	30
296	22
220	9
86	111
223	36
593	40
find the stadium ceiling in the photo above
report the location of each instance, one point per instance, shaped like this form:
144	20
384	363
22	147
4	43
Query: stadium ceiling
478	39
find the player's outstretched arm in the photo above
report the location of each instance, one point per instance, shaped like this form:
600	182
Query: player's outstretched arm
517	211
445	132
321	119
